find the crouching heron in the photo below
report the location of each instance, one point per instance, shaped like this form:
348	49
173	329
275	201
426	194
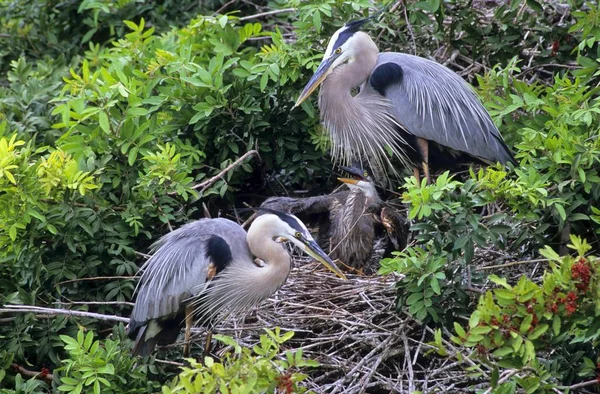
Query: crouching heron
417	109
210	268
350	220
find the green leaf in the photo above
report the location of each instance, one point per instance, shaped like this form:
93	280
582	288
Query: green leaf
435	285
561	211
263	81
132	156
538	331
526	324
503	351
505	294
500	281
12	233
529	351
460	331
481	330
556	323
414	298
535	6
103	120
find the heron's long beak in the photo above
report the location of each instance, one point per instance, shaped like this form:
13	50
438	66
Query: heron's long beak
315	251
315	81
348	180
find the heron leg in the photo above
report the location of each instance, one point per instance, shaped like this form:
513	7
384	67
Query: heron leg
417	175
188	330
207	345
423	145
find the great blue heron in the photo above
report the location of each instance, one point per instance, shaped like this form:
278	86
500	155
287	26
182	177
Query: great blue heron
417	109
351	220
212	267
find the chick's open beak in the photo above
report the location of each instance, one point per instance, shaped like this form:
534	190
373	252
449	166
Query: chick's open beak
314	251
348	180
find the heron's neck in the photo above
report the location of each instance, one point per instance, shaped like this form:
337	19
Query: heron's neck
266	279
353	74
361	127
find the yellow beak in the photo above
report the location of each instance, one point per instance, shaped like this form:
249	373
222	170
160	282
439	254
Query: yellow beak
348	180
313	250
315	81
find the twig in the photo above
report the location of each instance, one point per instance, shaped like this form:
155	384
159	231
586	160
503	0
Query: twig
491	267
204	185
144	255
506	375
98	277
580	385
250	219
9	308
410	30
268	13
223	7
169	362
409	364
95	303
206	211
47	377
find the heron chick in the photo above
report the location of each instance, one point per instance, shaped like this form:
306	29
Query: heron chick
417	110
210	268
349	221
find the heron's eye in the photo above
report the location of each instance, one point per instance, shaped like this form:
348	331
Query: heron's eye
298	234
338	51
365	174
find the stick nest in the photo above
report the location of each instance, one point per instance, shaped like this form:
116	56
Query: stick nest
352	329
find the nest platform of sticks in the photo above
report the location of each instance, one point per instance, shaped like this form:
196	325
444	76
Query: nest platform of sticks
353	330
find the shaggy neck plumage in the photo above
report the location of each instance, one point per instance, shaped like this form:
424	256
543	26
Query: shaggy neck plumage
360	127
244	283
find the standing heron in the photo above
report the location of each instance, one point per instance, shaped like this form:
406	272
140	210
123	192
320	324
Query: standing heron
350	220
210	268
421	112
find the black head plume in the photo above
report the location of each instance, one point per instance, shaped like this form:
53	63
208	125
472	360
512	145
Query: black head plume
359	170
355	26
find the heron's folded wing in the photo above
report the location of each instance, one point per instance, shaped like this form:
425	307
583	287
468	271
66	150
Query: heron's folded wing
434	103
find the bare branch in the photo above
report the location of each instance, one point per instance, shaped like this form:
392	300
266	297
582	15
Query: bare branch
268	13
47	377
10	308
206	184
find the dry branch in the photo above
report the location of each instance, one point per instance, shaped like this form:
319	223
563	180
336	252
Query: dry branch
42	375
10	308
268	13
206	184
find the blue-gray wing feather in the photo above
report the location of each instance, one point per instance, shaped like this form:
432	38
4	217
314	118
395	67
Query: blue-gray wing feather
179	266
434	103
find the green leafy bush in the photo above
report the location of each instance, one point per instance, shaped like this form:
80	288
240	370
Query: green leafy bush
556	126
260	370
552	327
454	218
101	367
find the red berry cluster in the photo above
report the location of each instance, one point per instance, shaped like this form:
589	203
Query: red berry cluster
582	273
285	383
571	303
554	47
44	372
